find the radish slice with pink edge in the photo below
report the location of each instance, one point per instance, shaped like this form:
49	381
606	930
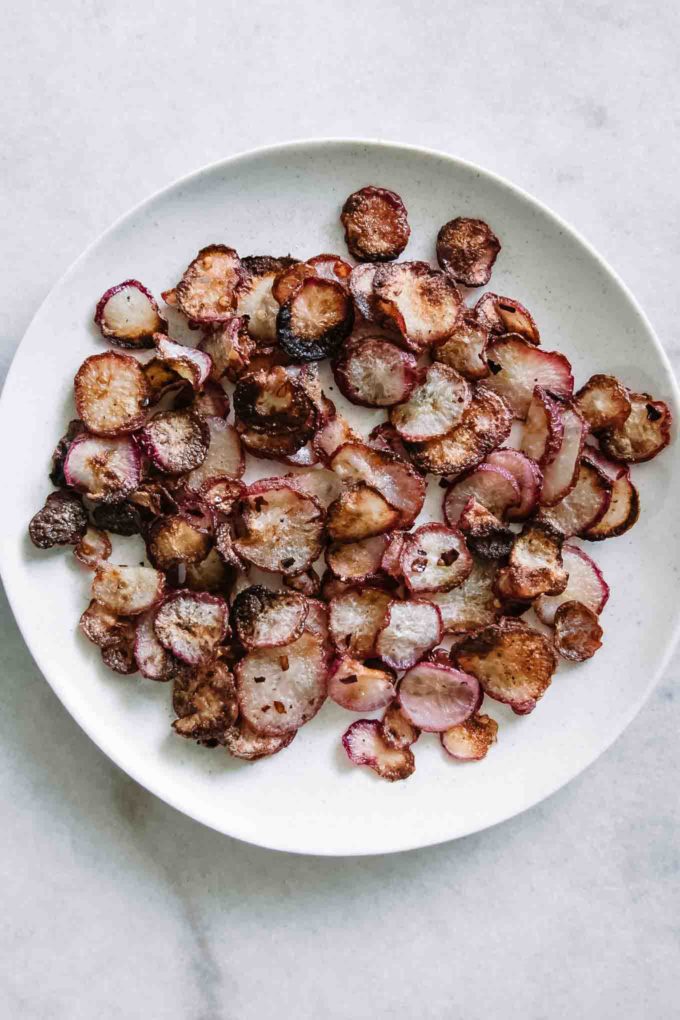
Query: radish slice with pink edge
111	393
224	458
543	428
561	474
375	373
361	288
93	546
399	483
358	687
391	561
528	476
517	367
434	407
153	661
435	697
584	506
364	744
127	591
622	513
491	485
188	362
586	584
106	470
410	630
191	624
128	315
434	558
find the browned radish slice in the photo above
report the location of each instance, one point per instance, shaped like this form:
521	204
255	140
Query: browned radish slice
434	558
207	290
211	402
466	250
61	521
307	583
254	297
359	688
603	402
560	475
356	561
621	514
365	744
189	363
322	484
611	469
281	689
492	486
644	434
397	731
273	402
153	661
584	506
224	458
317	620
586	584
375	373
543	429
103	469
121	657
206	704
517	367
505	315
315	319
485	424
361	288
175	441
111	393
150	499
270	446
535	566
472	739
105	628
331	267
391	560
486	536
434	407
128	315
266	619
221	495
528	476
472	605
289	280
332	586
355	618
578	634
241	741
360	512
127	591
93	546
386	438
423	303
465	348
435	697
512	661
211	574
119	518
398	482
410	630
191	625
177	539
280	530
229	347
161	380
332	435
75	427
376	225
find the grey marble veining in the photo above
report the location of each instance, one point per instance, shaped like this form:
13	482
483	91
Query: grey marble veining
115	906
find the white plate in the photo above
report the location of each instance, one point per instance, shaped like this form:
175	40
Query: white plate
309	799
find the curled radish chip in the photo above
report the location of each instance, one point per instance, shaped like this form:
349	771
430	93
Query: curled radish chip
466	250
410	630
254	297
621	514
357	561
177	539
221	495
397	731
128	315
517	367
266	619
93	546
315	319
584	506
229	347
274	402
241	741
578	634
422	303
281	689
111	393
503	315
535	566
103	469
528	476
603	402
359	688
399	483
375	373
270	446
175	441
211	574
644	434
561	474
361	288
331	267
189	363
434	407
376	225
161	380
472	739
279	529
486	536
543	429
360	512
512	661
611	469
434	558
435	697
207	290
586	584
365	744
485	424
61	521
472	604
465	348
206	704
391	560
191	625
332	435
289	280
323	485
153	661
106	629
127	591
355	618
224	458
491	485
307	583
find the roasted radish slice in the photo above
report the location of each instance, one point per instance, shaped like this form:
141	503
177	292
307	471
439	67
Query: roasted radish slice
93	546
315	319
603	402
355	618
584	506
485	424
357	561
517	367
188	363
322	484
221	495
121	656
543	429
273	402
105	628
466	250
153	661
486	536
470	740
578	634
62	521
397	731
375	373
465	349
331	267
586	584
644	434
111	394
127	591
206	704
177	539
361	289
434	558
106	470
386	438
422	303
528	476
211	574
399	483
266	619
75	427
307	583
492	486
254	297
241	741
191	625
207	290
364	743
281	689
289	280
434	697
279	529
229	347
621	514
224	458
504	315
175	441
391	561
434	407
211	402
162	380
332	435
128	315
410	630
359	688
471	605
270	446
535	566
512	661
561	474
360	512
376	225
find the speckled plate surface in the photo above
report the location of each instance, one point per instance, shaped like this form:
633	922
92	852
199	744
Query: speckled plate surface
309	799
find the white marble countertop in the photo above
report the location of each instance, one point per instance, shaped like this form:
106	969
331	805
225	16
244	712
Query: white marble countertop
114	905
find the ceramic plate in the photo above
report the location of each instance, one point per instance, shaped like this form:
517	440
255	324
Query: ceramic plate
308	799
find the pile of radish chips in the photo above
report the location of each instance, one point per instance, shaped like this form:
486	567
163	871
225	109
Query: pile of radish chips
414	623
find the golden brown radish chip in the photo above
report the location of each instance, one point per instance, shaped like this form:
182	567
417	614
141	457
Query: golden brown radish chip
434	407
153	661
206	704
603	402
561	474
355	618
191	625
471	605
492	486
106	629
585	505
229	347
357	561
644	434
466	250
189	363
358	687
517	368
125	590
535	565
93	546
472	739
128	315
111	394
578	634
332	435
360	512
177	539
397	731
207	290
307	583
465	348
621	514
61	521
543	428
485	424
422	303
486	536
266	619
376	225
365	744
503	315
105	470
274	403
434	558
175	441
361	289
279	529
315	320
211	574
241	741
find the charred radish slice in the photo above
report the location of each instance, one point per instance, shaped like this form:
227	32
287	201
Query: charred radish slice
273	402
374	373
434	558
561	474
254	297
111	394
121	656
128	315
211	574
512	661
504	315
241	741
315	319
397	731
270	445
410	630
472	739
357	561
175	441
422	303
391	560
584	506
528	476
543	429
465	349
360	512
535	566
331	267
191	625
466	250
221	495
224	458
586	584
644	434
492	486
280	530
434	697
376	225
229	347
289	280
161	380
517	367
62	521
330	437
105	628
207	290
189	363
206	704
93	546
621	514
578	634
177	539
434	407
365	744
266	619
485	424
359	688
323	485
211	402
307	583
472	604
399	483
127	591
486	536
603	402
153	661
355	618
103	469
281	689
361	289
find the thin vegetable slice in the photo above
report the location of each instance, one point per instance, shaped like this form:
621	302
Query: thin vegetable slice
473	604
121	657
503	315
241	741
61	521
586	584
128	315
320	483
434	407
274	402
535	566
280	530
270	445
361	289
315	320
375	373
492	486
578	634
603	402
307	583
189	363
386	438
465	348
75	428
191	625
127	591
357	561
211	574
621	514
584	506
221	495
486	536
391	560
207	290
528	476
470	740
422	303
435	697
485	424
111	394
467	249
376	225
517	367
175	441
224	458
106	470
434	558
561	474
543	429
254	297
153	661
644	434
360	512
410	630
332	435
397	731
358	687
177	539
398	482
355	618
229	347
206	704
266	619
105	628
93	546
364	744
211	402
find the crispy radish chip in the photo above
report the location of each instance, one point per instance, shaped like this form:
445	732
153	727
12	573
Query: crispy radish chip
485	424
281	689
391	560
270	446
189	363
320	483
211	402
486	536
373	372
331	267
128	315
254	297
279	529
357	561
584	506
466	250
397	731
175	441
586	584
503	315
191	625
224	458
471	605
355	618
361	289
75	428
177	539
435	697
332	435
578	634
472	739
127	591
543	429
465	348
206	704
106	629
399	483
111	394
517	367
241	741
358	687
492	486
376	225
535	566
273	402
62	521
561	474
410	630
266	619
207	290
528	476
434	407
289	280
93	546
603	402
365	744
229	347
211	574
315	319
386	438
221	495
512	661
434	558
422	303
621	514
360	512
106	470
644	434
153	661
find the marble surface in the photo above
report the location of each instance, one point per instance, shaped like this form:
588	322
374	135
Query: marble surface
114	905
